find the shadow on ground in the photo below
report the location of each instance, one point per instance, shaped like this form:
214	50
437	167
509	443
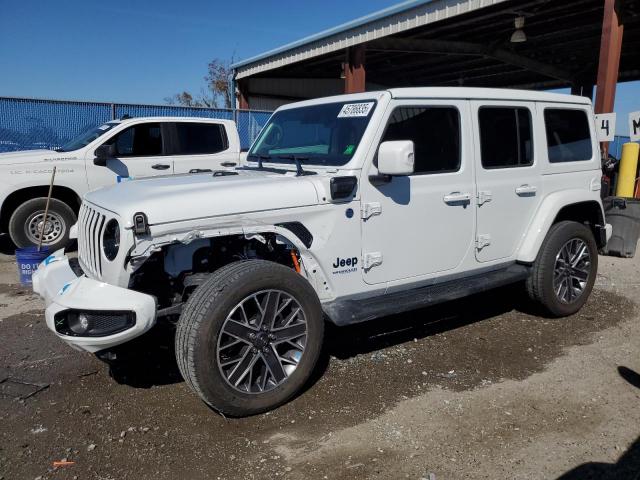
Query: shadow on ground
627	467
150	360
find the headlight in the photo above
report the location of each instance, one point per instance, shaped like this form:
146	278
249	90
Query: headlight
111	239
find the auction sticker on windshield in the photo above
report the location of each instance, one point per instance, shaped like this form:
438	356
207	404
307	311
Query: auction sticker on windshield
355	109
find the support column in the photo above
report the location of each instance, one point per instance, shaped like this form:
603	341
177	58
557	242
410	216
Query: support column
609	63
354	71
241	94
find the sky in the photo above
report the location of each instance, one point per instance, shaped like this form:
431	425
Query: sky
143	51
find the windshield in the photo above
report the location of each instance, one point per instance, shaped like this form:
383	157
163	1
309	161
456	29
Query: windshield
87	137
326	134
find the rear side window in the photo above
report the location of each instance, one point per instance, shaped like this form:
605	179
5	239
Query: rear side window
435	132
143	140
506	138
568	135
199	138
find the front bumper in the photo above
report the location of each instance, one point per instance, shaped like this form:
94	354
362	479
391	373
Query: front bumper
63	290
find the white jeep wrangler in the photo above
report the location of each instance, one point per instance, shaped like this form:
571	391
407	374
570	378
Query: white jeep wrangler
349	208
101	156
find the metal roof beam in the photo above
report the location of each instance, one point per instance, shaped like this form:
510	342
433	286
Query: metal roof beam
468	48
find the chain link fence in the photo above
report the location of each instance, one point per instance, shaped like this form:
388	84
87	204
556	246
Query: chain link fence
27	124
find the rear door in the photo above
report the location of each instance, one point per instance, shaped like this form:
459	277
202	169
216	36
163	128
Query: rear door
141	151
508	176
201	146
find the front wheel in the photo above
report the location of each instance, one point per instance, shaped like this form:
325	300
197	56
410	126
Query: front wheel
565	270
27	223
248	338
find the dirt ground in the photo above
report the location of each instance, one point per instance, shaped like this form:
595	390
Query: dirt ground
471	389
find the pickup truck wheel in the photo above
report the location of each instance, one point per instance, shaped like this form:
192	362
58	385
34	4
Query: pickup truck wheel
25	224
249	337
565	270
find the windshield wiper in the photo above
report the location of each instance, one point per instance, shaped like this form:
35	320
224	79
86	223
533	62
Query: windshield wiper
298	161
260	158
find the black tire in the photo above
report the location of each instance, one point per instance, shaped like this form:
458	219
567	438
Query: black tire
202	320
21	220
540	285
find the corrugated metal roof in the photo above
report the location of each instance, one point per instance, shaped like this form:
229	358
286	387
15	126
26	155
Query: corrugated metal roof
395	19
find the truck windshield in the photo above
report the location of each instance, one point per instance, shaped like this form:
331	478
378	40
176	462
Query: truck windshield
87	137
326	134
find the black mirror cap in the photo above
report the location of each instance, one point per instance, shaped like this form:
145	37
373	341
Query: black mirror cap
103	153
343	187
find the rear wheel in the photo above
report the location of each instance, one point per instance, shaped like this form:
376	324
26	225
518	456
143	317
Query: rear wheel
26	223
249	337
565	270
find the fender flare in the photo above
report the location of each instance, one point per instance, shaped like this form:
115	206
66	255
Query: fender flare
545	217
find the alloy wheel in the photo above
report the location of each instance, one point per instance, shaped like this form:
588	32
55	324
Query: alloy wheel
571	270
262	341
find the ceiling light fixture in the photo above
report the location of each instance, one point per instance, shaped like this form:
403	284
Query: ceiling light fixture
519	36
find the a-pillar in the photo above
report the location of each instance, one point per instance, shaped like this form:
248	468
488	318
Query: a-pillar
609	63
354	71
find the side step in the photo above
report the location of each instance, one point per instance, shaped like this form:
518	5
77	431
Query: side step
346	312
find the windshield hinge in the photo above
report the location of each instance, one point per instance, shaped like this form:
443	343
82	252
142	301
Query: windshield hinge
371	209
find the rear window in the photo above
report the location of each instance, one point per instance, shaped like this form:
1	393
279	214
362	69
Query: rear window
568	135
506	138
199	138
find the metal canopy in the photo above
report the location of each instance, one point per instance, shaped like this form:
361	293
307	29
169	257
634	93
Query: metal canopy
469	44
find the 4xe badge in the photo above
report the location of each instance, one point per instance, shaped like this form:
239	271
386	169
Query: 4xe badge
345	265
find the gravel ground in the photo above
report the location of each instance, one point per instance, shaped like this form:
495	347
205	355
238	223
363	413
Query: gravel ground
479	388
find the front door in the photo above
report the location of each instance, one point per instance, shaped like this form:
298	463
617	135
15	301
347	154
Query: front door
507	175
141	151
422	223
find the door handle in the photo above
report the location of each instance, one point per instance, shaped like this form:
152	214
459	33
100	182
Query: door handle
160	166
526	190
456	198
228	164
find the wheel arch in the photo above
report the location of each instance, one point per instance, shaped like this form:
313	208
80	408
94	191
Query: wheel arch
18	197
297	236
577	205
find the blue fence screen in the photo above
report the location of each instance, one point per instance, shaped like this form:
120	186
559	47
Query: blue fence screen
27	124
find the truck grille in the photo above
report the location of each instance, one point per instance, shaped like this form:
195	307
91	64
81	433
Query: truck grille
90	227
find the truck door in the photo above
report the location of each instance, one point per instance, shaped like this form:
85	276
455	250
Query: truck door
507	176
141	151
423	223
202	146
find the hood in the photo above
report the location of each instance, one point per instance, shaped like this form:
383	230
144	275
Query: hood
32	156
177	198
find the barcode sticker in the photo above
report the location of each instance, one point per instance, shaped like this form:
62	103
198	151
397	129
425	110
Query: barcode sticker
355	110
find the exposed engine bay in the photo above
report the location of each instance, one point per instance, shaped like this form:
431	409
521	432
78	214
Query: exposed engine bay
173	273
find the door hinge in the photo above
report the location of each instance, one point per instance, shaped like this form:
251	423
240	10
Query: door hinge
371	260
483	241
371	209
484	196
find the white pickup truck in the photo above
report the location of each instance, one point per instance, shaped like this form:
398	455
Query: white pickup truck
101	156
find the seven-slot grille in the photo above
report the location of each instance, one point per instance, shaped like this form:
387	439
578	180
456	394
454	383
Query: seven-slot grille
90	228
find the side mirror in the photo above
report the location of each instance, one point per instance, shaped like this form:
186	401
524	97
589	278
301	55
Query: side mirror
396	157
103	153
